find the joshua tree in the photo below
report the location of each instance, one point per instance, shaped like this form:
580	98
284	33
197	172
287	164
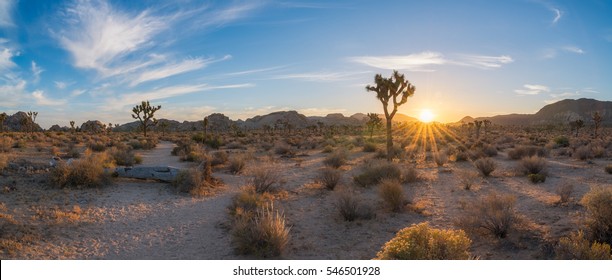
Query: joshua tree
487	124
147	118
577	124
478	125
390	89
3	117
205	125
163	125
72	126
32	120
374	122
597	120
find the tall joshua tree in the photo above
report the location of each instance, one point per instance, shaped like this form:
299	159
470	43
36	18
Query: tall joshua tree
395	90
32	120
3	117
597	120
145	114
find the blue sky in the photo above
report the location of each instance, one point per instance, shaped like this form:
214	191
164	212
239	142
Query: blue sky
86	60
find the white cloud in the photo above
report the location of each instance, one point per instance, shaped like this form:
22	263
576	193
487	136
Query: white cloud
5	59
424	61
60	85
6	7
102	36
12	94
320	76
532	89
36	70
223	16
174	69
558	14
411	62
41	99
573	49
77	92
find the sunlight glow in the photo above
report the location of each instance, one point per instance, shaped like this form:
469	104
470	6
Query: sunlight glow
426	116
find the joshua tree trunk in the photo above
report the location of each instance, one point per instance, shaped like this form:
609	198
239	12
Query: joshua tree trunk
389	140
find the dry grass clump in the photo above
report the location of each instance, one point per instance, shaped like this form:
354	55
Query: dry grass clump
125	156
392	193
219	158
533	165
6	144
237	164
329	177
608	168
373	172
489	150
189	152
485	166
336	159
352	207
265	178
422	242
493	214
4	161
526	151
577	247
565	192
284	150
467	178
86	172
440	159
264	234
598	203
369	147
196	181
583	153
247	201
410	175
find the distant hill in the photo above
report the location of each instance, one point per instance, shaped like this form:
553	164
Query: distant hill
560	112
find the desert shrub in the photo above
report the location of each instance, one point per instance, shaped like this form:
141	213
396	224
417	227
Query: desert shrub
336	159
485	166
562	141
598	151
284	150
263	235
189	152
577	247
598	203
352	208
493	214
4	161
489	150
218	158
565	192
86	172
440	159
246	202
369	147
608	168
392	193
537	178
72	151
125	156
97	146
237	164
373	172
195	181
410	175
583	153
214	142
6	144
526	151
467	179
422	242
329	177
461	156
328	149
265	178
533	165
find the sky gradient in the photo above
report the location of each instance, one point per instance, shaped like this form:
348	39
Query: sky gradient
95	60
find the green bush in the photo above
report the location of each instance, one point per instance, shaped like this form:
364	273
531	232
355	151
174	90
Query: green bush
562	141
421	242
537	178
577	247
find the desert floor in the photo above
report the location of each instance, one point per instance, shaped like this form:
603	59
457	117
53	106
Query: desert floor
141	219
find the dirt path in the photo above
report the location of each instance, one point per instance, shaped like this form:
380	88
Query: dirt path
151	221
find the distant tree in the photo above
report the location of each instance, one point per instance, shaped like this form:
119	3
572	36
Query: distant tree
205	125
597	120
3	117
72	129
576	125
389	90
478	125
163	126
374	122
487	125
145	114
32	120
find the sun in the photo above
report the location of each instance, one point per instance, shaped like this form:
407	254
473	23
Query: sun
426	116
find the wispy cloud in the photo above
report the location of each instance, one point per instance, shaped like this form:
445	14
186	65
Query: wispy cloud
36	71
320	76
573	49
225	15
12	94
425	61
254	71
77	92
43	100
532	89
558	14
174	69
6	61
412	62
550	53
60	85
6	9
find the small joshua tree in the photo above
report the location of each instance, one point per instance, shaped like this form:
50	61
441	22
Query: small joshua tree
374	122
31	120
394	89
205	125
478	125
145	114
3	117
597	120
577	124
487	124
72	126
